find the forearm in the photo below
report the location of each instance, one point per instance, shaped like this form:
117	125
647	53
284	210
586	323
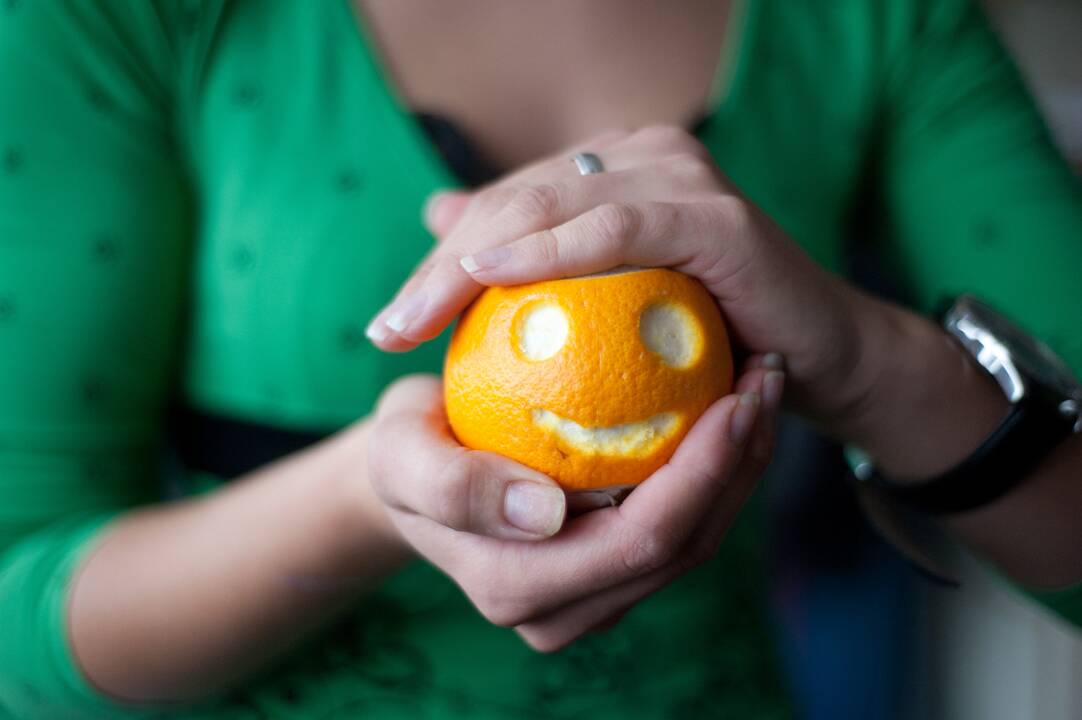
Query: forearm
180	600
922	405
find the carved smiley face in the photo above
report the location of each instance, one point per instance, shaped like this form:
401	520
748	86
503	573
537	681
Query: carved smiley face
593	381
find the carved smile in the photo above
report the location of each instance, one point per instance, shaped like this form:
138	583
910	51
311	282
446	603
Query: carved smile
632	439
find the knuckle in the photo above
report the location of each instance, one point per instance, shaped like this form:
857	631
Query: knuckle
541	202
694	169
501	611
736	211
399	390
543	641
646	550
615	223
665	136
444	264
491	201
454	491
548	248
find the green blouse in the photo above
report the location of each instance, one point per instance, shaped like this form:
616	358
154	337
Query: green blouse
206	200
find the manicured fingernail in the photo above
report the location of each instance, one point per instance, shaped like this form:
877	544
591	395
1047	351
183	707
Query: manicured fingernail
406	310
773	361
773	384
376	331
533	507
486	259
743	417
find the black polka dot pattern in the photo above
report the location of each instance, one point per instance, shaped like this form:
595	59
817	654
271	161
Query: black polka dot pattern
92	391
350	338
99	99
11	160
247	95
242	259
106	249
347	181
986	234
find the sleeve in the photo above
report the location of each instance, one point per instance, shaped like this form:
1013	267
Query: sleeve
975	197
94	227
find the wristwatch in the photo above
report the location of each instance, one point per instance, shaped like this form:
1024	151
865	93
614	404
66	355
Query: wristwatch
1046	408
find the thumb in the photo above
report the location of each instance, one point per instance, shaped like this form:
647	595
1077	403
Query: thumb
416	466
443	210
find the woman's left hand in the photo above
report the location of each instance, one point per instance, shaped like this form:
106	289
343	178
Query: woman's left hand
660	202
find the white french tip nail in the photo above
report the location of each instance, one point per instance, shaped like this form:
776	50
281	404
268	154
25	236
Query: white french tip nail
376	332
469	264
407	309
396	322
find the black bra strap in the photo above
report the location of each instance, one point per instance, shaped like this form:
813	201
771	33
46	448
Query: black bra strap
227	447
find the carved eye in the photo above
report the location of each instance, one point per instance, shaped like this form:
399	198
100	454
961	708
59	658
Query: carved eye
671	332
541	330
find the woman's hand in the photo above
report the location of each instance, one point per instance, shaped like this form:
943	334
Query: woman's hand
661	202
478	516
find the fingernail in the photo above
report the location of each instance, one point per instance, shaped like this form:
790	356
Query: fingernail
376	331
406	310
486	259
535	508
743	417
469	264
773	361
773	384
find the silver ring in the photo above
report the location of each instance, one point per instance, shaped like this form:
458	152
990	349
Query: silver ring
588	163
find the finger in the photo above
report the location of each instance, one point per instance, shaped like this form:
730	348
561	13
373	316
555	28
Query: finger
694	237
608	547
555	168
443	210
673	500
602	610
418	314
620	149
443	286
559	165
418	467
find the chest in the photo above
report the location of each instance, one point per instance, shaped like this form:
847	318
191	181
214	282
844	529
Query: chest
527	79
310	175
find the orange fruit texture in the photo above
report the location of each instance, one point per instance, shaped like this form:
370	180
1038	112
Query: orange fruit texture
593	381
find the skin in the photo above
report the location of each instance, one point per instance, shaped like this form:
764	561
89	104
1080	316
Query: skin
180	600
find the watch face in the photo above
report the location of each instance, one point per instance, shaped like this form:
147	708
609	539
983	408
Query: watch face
1035	359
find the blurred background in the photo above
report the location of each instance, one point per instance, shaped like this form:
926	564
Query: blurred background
860	633
983	653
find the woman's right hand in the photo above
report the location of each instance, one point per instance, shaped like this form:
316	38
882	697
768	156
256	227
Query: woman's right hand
500	530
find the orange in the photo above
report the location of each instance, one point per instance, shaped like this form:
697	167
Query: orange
593	381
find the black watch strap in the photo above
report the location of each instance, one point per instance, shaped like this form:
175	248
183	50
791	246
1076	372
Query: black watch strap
1014	449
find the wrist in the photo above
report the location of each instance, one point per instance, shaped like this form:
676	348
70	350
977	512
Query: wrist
834	389
918	404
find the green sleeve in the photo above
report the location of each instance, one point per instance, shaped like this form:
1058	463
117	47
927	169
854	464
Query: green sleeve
94	224
975	196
